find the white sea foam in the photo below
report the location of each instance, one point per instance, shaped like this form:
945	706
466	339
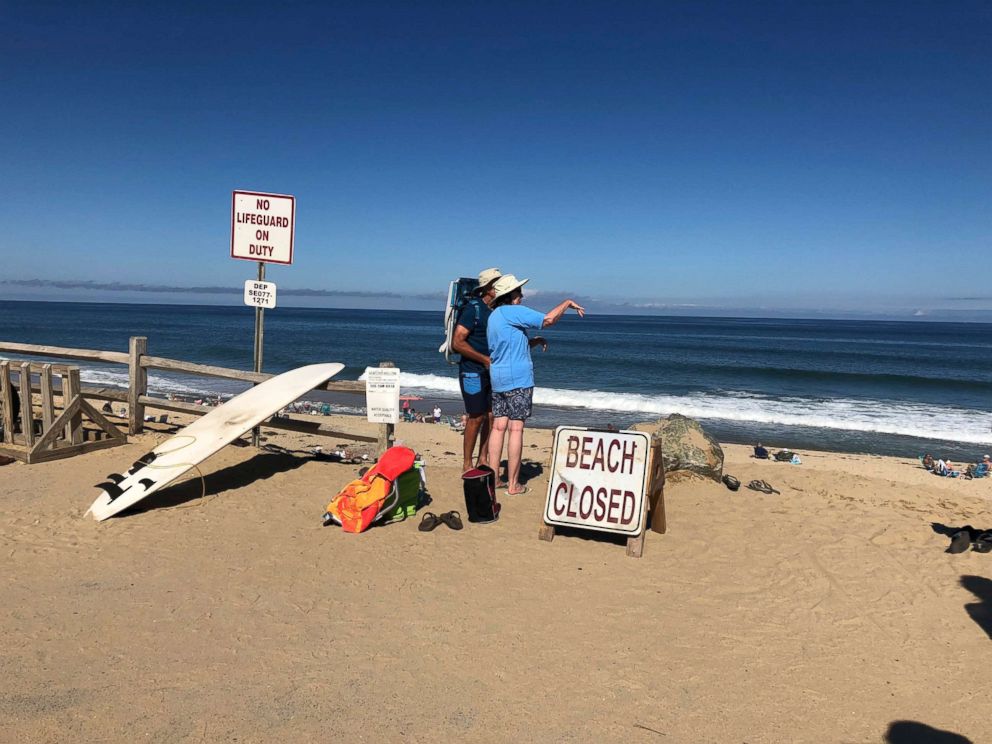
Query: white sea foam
157	384
884	417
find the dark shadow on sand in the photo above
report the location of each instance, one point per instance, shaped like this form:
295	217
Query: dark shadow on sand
980	611
260	467
529	469
912	732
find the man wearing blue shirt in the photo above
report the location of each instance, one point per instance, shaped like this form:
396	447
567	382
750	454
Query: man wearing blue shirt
512	370
470	341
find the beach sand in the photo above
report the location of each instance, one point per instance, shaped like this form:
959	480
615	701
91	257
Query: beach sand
825	614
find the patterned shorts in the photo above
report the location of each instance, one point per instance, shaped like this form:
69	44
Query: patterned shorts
513	404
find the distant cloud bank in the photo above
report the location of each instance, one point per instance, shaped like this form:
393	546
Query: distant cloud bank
164	289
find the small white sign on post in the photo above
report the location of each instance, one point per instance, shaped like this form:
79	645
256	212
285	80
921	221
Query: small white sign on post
598	480
382	394
262	227
260	294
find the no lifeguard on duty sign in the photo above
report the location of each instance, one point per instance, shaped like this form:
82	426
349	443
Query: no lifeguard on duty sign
262	227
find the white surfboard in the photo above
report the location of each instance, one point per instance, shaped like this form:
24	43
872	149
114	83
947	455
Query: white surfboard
204	437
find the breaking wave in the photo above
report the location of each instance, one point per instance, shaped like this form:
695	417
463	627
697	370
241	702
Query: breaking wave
884	417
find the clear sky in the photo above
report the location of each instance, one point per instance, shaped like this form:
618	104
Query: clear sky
667	156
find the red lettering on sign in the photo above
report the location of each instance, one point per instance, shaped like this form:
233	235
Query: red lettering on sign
613	466
584	512
628	457
586	441
571	503
614	492
559	506
600	511
628	500
599	457
573	452
262	204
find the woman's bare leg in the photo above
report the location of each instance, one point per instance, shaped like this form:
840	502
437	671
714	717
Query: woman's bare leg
496	443
514	453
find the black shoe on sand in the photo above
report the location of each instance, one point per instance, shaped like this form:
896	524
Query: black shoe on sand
983	544
960	542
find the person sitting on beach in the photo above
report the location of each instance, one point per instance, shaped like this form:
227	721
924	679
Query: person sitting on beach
760	452
928	461
512	370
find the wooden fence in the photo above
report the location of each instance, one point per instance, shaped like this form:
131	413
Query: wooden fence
138	362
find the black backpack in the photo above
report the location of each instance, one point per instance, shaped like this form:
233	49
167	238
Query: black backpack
480	494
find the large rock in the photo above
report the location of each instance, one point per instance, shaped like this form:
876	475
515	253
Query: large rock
685	446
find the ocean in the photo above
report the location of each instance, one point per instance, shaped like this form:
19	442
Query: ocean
880	387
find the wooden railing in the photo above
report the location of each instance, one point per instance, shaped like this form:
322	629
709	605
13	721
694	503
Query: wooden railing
138	362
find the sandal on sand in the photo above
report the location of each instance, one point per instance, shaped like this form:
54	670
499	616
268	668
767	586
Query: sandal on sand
453	519
960	542
518	493
731	482
763	486
428	522
984	543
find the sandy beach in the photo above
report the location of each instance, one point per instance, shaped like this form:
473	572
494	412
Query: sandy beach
828	613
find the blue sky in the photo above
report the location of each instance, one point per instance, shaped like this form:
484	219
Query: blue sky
662	157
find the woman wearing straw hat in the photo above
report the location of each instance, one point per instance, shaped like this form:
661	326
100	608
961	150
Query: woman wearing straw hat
512	371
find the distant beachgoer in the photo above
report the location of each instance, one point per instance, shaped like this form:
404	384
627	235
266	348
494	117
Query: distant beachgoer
928	461
406	406
470	341
760	452
437	414
512	370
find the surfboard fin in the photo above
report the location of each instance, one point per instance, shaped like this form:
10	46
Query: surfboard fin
146	482
115	477
111	489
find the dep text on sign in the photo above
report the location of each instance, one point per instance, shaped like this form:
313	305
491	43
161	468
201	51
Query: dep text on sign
260	294
262	227
598	480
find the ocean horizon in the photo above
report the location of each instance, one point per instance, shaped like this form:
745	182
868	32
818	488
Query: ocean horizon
892	387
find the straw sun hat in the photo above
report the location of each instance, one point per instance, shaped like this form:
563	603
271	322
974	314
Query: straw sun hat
507	283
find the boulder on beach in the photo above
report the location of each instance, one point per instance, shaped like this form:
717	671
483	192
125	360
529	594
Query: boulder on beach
685	446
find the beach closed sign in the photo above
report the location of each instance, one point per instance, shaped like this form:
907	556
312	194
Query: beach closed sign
262	227
598	480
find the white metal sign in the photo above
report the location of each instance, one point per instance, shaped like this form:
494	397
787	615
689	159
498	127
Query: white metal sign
382	394
260	294
598	480
262	227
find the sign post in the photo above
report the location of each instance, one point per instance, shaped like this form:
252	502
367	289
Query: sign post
600	480
262	228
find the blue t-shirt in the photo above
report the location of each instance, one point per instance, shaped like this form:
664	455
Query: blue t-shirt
475	317
509	347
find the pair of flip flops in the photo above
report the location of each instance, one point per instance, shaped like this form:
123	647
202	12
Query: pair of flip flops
430	521
763	486
964	539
